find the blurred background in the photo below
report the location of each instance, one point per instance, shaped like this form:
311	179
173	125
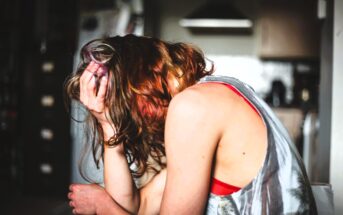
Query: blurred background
289	51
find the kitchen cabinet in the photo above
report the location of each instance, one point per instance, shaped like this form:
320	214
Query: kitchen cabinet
288	30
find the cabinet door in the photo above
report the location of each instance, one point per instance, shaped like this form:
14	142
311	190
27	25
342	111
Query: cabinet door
288	30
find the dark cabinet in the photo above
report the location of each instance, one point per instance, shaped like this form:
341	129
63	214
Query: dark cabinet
288	29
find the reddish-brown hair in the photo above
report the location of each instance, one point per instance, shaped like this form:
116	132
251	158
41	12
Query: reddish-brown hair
143	71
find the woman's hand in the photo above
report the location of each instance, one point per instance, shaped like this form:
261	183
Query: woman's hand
92	199
93	85
84	198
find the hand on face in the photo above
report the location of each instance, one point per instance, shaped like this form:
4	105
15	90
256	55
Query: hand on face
93	85
84	197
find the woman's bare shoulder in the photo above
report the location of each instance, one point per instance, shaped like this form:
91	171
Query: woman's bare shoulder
207	96
202	104
192	99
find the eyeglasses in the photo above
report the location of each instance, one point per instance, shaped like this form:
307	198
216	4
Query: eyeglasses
99	52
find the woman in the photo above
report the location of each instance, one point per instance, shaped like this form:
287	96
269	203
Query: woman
225	151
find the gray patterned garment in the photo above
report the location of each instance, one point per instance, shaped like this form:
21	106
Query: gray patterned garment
281	186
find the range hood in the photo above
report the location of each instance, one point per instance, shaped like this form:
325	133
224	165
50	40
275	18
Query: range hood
216	14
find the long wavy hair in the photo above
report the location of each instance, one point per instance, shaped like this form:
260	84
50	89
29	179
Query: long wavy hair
142	72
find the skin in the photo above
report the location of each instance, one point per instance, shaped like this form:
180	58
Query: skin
83	196
210	132
230	142
125	195
93	199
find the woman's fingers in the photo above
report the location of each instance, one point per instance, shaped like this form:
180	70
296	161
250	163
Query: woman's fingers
89	72
93	87
88	83
87	80
102	85
101	71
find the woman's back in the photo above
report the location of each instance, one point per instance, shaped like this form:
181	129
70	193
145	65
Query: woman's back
242	145
281	185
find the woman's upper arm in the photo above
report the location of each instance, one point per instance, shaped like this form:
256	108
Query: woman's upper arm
191	138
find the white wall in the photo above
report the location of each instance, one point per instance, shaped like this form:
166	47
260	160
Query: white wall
336	169
171	11
233	54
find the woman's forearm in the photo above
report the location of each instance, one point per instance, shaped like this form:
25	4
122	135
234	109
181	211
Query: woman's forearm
117	176
151	194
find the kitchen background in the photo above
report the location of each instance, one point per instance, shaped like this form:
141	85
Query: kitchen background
289	51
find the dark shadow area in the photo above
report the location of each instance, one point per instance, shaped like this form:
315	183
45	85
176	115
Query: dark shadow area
36	205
